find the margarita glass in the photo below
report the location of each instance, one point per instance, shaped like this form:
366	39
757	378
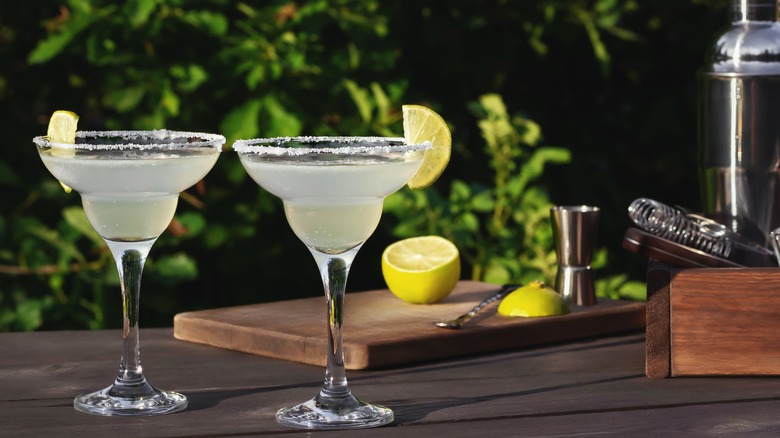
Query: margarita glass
332	189
129	182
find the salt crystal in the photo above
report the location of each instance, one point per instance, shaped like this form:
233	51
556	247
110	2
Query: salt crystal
351	145
138	140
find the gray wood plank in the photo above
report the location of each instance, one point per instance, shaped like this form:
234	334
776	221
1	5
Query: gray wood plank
595	386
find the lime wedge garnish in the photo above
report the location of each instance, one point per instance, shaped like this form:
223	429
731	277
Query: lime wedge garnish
62	129
423	124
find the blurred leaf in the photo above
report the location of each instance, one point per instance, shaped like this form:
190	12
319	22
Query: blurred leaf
242	121
76	218
382	101
193	221
599	50
215	236
139	11
533	168
483	202
246	9
469	221
497	274
52	238
170	100
7	318
494	105
189	77
459	191
634	290
124	99
29	313
255	76
619	287
175	268
80	6
360	98
532	132
213	22
281	122
83	16
52	46
600	258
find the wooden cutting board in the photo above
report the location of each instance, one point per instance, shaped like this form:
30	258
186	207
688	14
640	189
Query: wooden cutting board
382	331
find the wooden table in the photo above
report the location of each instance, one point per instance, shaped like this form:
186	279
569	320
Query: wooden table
591	387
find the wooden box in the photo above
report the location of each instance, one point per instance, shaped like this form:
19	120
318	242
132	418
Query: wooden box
712	321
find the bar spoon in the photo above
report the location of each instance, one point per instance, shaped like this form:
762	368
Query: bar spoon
458	322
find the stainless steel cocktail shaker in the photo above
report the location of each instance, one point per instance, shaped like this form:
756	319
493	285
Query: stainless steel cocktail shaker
739	122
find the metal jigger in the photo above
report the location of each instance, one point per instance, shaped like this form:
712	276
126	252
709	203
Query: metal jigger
574	230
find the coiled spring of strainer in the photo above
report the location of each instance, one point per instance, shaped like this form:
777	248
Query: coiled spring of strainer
677	226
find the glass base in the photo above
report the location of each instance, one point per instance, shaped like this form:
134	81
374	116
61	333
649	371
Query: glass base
335	413
146	401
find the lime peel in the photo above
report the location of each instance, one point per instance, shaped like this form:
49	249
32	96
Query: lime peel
533	300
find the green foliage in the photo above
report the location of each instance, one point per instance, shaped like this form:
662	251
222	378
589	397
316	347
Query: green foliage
594	76
503	230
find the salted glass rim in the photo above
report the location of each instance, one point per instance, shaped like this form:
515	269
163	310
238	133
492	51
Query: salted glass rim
161	139
265	146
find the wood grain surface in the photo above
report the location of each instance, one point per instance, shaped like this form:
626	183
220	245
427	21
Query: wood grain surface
657	333
382	331
725	321
591	387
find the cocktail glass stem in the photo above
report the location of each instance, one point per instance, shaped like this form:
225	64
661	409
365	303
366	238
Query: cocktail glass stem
130	394
130	259
335	407
334	271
